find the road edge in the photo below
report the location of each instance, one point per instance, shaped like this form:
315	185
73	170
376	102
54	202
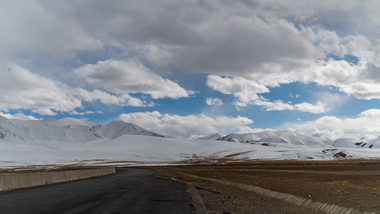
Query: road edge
12	181
196	198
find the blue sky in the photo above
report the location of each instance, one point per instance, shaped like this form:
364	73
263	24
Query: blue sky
189	68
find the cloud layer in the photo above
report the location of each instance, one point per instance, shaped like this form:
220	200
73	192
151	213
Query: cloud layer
271	42
186	126
31	28
22	89
246	91
124	77
132	52
366	124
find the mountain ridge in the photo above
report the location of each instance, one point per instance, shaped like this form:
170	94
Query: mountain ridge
275	137
70	141
76	130
66	130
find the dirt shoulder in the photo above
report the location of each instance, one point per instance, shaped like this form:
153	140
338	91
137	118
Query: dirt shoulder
352	184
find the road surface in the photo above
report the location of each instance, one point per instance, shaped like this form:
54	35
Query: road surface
130	191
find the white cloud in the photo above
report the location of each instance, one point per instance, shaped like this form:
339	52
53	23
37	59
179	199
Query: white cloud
281	106
260	43
308	107
186	126
366	124
22	89
85	112
268	105
214	101
18	116
123	77
360	80
106	98
246	91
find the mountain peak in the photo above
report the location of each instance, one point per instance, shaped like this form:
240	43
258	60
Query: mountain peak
117	128
66	130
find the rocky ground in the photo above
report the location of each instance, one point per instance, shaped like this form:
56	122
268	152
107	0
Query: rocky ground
352	184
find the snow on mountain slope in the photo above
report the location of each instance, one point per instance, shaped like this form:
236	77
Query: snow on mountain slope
274	137
344	142
374	143
6	127
146	148
242	138
138	149
71	141
65	130
118	128
50	130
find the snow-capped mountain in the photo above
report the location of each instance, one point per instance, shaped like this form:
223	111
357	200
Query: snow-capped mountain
65	130
72	141
80	131
374	143
276	138
118	128
268	138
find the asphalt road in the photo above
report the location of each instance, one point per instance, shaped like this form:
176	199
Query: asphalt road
130	191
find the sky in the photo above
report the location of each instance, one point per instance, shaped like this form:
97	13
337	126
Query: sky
187	68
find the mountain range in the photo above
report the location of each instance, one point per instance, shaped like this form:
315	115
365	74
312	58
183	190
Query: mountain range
272	138
66	130
51	142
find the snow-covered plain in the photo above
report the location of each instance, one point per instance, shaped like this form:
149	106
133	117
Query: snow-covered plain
55	142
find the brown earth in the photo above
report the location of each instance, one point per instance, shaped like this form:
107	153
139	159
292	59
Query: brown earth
352	184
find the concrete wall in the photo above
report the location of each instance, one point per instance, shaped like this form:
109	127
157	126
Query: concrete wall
10	181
